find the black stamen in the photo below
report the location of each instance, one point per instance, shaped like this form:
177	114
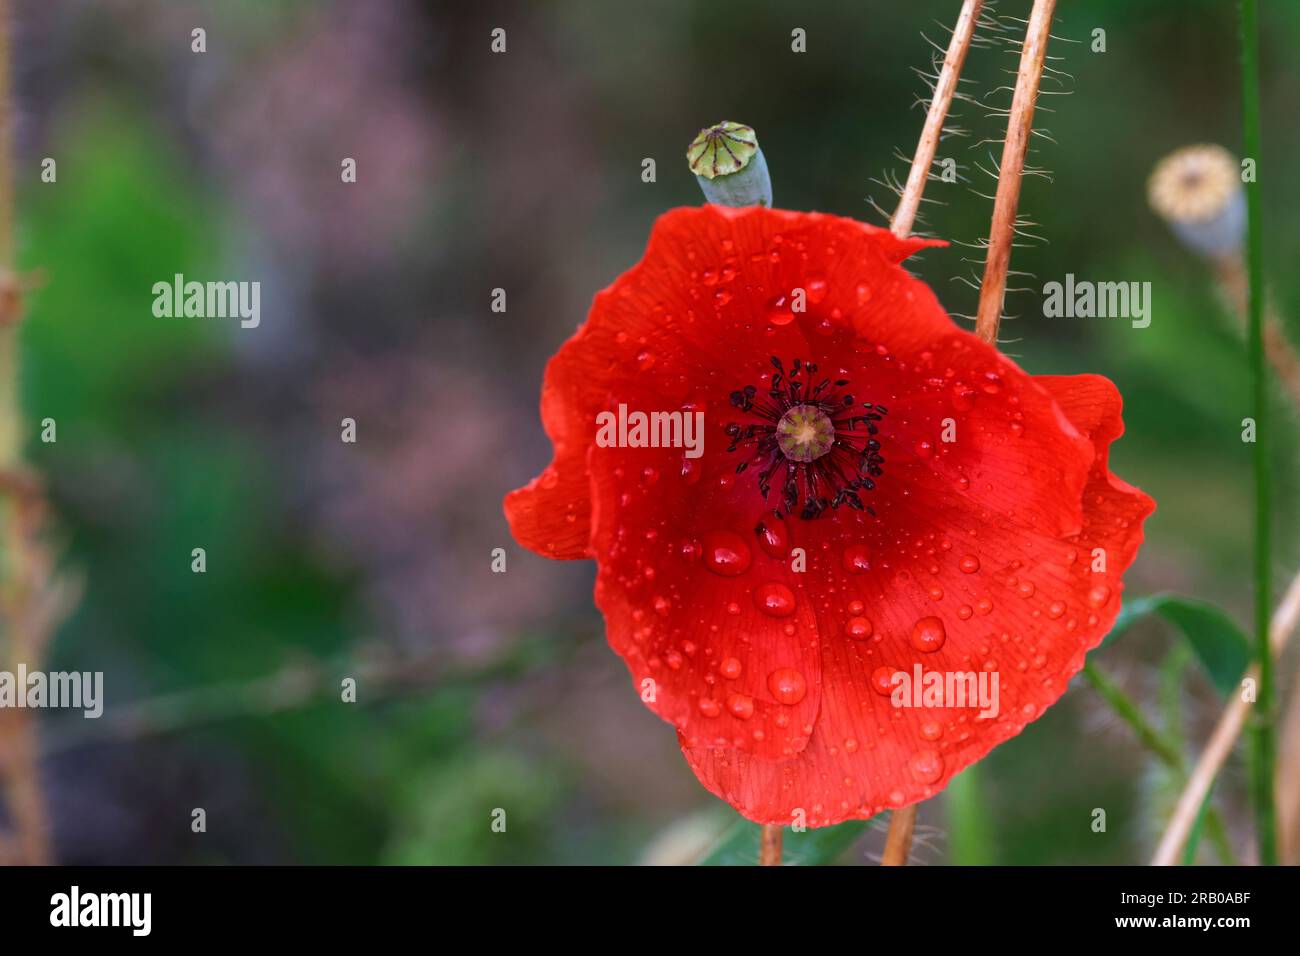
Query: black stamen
849	464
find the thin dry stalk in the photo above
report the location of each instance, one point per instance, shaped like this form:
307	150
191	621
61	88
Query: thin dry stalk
1223	739
1019	127
1230	271
31	599
932	132
1288	782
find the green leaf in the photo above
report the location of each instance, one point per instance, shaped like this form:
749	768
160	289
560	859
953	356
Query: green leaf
738	846
1216	640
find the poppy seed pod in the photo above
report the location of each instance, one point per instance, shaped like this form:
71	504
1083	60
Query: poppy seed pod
1198	191
729	166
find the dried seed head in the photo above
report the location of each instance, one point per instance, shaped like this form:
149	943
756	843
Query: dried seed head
1198	191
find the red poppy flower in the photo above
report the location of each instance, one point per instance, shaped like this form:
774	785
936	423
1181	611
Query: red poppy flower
878	490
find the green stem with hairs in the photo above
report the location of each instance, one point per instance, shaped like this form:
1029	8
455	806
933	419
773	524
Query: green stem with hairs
1170	753
1262	744
1129	712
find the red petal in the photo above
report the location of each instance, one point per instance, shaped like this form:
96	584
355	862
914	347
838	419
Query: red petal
552	513
1048	609
776	711
661	308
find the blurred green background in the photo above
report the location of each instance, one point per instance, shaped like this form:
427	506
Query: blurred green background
522	171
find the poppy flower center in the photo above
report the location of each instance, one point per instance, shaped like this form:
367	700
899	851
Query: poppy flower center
813	439
805	433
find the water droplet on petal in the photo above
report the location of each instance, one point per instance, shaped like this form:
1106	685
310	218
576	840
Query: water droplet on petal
857	559
709	707
787	685
779	311
931	730
969	564
726	553
882	680
775	598
858	628
774	535
729	668
1099	595
928	635
926	766
691	470
740	705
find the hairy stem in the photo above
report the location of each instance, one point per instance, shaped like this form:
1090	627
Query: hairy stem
898	842
932	132
1010	172
1128	711
1169	753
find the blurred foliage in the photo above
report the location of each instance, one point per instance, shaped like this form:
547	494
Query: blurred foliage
171	438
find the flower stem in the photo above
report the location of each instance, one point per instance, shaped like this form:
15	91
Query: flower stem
898	843
910	201
1159	744
1128	711
1262	743
1019	127
769	845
